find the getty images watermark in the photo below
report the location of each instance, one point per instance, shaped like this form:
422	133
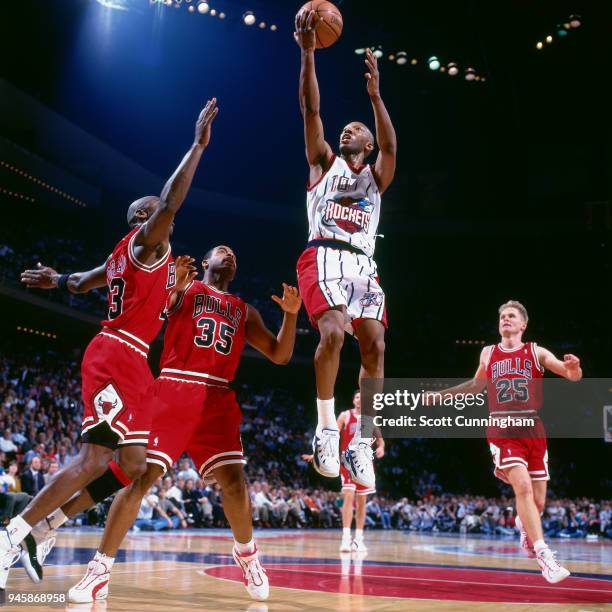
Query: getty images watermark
420	408
403	398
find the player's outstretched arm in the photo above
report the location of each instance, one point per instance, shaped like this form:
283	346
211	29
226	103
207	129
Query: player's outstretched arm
156	231
318	152
384	168
474	385
44	277
277	349
568	368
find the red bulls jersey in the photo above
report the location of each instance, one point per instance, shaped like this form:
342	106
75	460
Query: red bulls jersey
350	427
205	335
137	294
514	379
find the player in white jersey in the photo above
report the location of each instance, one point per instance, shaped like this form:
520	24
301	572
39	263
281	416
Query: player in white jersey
337	275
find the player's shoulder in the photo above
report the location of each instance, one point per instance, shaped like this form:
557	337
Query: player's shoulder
486	352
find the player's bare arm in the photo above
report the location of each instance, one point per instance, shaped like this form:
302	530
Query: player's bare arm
44	277
568	368
318	151
380	444
185	274
384	168
277	349
476	384
155	233
341	420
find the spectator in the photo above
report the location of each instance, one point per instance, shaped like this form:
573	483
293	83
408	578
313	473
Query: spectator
32	479
186	471
7	445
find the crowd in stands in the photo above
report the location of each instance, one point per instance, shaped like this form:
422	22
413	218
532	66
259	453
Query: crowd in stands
39	424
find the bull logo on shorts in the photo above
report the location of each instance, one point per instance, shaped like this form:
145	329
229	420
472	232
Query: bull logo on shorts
371	298
107	402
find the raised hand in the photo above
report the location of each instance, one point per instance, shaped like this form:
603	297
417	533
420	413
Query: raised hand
291	300
306	23
185	271
372	76
43	277
204	122
571	361
379	452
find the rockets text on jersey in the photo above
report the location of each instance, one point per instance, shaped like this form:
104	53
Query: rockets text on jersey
205	335
344	204
514	379
137	293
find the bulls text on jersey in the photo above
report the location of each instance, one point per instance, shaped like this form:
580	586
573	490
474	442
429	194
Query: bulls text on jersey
206	303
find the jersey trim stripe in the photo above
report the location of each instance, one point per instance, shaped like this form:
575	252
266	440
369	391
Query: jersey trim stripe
161	464
140	265
196	374
534	350
193	382
123	341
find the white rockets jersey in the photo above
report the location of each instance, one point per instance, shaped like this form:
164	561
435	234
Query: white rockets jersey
344	204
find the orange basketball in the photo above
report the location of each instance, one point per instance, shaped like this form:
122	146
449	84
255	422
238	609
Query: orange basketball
330	27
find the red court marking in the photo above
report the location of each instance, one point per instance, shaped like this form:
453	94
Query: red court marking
430	583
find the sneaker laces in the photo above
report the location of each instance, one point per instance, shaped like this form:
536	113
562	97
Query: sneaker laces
253	572
10	557
362	454
326	443
93	568
550	558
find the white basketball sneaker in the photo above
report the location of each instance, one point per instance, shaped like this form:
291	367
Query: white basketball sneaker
551	570
93	586
255	578
9	554
359	546
358	460
525	543
326	451
345	545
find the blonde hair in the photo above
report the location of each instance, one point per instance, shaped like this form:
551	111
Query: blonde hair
515	304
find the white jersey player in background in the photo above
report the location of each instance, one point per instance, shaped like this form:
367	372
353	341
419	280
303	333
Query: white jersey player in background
337	275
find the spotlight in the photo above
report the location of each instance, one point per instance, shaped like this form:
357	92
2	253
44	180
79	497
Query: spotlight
549	39
213	12
442	68
378	53
575	21
203	8
561	31
453	69
539	45
262	24
273	28
191	9
391	57
360	51
434	63
414	61
482	79
249	18
401	58
221	15
470	74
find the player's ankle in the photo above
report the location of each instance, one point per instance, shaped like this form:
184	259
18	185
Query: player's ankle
326	414
104	559
539	545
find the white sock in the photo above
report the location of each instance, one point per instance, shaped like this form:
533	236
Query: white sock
327	415
17	530
539	545
245	549
346	533
102	558
359	535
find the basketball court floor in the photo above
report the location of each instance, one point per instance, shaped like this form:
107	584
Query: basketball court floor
194	570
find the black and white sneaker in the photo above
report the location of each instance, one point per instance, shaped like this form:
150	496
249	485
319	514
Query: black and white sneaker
326	450
29	559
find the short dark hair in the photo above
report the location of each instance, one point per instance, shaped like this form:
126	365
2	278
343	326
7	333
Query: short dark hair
356	392
208	254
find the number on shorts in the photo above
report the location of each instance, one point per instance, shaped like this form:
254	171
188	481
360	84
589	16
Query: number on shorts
116	290
206	338
515	389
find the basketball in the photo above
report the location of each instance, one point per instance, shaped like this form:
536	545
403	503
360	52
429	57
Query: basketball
330	27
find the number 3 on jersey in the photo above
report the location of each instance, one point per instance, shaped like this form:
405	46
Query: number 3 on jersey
115	292
206	338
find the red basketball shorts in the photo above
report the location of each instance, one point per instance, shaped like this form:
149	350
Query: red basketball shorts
350	485
115	377
510	452
329	277
199	418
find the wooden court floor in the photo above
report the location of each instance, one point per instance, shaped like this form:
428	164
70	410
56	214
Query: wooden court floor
193	570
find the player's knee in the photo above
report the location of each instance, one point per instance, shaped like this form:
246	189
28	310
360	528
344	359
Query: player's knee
234	486
523	488
332	339
133	467
374	351
540	505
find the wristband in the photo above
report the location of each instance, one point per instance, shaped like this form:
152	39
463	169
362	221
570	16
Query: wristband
62	281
